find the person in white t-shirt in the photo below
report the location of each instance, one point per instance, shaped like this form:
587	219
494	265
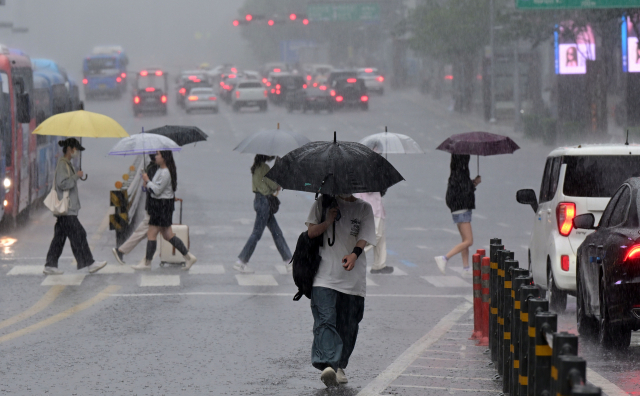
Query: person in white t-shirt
339	288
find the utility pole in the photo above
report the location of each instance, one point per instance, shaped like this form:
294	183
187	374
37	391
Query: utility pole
517	102
493	62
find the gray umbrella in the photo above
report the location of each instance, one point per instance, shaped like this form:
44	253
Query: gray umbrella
272	142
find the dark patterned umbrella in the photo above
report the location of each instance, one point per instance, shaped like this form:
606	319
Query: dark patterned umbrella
181	134
478	143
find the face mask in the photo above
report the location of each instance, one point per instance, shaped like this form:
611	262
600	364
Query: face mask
76	154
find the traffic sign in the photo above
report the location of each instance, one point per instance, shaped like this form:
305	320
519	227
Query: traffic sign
568	4
343	12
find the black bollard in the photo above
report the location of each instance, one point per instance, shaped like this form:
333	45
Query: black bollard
572	371
503	255
507	309
520	277
527	293
564	344
493	301
536	305
545	322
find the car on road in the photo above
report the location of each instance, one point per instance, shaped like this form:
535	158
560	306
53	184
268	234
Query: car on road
349	92
373	80
576	180
273	67
317	100
281	84
608	269
187	81
201	99
249	94
226	87
150	91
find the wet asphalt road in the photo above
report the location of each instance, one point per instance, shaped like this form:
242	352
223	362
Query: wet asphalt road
210	331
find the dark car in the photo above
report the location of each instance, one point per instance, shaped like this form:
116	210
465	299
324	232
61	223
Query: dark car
340	75
227	86
150	91
318	99
350	92
189	80
282	84
608	270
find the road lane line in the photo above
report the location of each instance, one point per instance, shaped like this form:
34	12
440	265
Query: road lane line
607	387
445	377
106	292
44	302
281	295
448	389
385	378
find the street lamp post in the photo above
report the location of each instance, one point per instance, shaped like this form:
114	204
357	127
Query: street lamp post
493	65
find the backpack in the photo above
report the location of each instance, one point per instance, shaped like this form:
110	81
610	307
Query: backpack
306	261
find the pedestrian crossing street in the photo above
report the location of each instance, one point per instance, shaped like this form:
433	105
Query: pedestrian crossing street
278	276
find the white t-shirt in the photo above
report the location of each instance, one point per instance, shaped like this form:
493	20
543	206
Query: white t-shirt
355	224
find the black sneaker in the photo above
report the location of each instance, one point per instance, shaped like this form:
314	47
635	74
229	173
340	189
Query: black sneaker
385	270
118	255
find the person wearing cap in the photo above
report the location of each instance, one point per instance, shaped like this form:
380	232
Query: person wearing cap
68	225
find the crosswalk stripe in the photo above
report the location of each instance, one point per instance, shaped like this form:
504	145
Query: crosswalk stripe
116	269
26	270
207	270
159	280
256	280
282	270
63	280
370	282
446	281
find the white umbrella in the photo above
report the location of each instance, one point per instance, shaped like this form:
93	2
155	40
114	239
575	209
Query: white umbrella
391	143
272	142
144	143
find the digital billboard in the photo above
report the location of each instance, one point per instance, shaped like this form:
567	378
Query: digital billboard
630	50
574	45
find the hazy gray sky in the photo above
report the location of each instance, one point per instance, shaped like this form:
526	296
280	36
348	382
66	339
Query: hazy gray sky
153	32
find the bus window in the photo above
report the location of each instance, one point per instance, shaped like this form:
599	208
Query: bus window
5	117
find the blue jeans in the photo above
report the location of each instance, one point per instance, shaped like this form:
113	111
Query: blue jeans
336	318
264	218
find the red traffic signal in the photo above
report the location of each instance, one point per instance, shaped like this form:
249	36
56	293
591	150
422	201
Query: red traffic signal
236	22
293	17
271	22
305	21
248	17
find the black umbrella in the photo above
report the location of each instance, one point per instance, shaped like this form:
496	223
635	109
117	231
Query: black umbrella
334	168
181	134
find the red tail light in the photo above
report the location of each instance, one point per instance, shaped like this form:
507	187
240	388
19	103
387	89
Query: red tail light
368	70
304	86
193	98
265	93
85	81
150	89
333	93
273	90
565	212
277	86
271	22
236	23
136	100
159	73
118	79
380	78
293	17
315	85
305	21
163	98
212	98
268	83
232	76
351	80
196	80
308	78
248	17
564	262
237	94
323	87
339	98
144	73
123	75
448	77
183	91
234	70
264	80
277	92
364	98
633	253
276	70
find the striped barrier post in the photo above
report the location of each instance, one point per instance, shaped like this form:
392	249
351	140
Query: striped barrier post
536	306
527	293
503	255
507	309
486	300
496	245
545	323
520	278
572	371
477	298
563	344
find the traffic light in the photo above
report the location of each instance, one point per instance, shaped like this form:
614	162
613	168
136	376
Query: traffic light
293	17
248	17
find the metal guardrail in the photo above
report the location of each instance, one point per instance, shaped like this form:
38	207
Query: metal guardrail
125	200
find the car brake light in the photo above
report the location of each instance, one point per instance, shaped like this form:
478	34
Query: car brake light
351	80
237	94
277	86
136	100
315	85
323	87
448	77
268	83
193	98
564	262
276	70
227	87
308	78
158	73
85	81
339	98
565	212
277	92
192	78
232	76
364	98
234	70
183	91
144	73
264	80
150	89
271	22
380	78
163	98
633	253
123	75
333	93
304	86
196	80
265	93
118	79
368	70
273	90
212	98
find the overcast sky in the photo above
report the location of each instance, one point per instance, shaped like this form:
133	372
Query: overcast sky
172	34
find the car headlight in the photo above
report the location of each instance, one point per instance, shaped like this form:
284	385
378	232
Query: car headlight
7	182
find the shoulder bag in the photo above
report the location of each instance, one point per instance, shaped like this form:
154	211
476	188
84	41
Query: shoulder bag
55	205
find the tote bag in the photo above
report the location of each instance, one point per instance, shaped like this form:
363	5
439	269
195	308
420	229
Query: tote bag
55	205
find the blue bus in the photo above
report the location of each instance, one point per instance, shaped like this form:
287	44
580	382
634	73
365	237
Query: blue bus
105	72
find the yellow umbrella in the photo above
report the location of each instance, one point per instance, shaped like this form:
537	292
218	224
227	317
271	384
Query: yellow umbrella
81	123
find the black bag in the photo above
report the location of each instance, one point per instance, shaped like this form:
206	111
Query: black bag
306	261
274	203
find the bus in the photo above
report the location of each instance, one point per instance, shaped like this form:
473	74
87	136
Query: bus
105	72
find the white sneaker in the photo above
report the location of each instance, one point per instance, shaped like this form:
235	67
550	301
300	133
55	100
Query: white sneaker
467	273
242	268
143	265
97	266
52	271
289	266
190	260
441	261
341	377
328	377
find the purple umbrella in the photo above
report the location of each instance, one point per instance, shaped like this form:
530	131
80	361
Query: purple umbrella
478	143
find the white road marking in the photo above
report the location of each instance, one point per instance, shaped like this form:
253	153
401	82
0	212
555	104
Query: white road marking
454	232
415	229
607	387
285	295
207	270
370	282
256	280
282	270
454	368
424	247
504	225
466	360
116	269
445	377
244	221
159	280
440	199
386	377
448	389
446	281
26	270
43	259
63	280
464	348
480	216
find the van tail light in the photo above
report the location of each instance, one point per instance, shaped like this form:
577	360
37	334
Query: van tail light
333	92
163	98
237	94
633	253
564	263
339	98
136	100
150	89
565	212
193	98
183	91
364	98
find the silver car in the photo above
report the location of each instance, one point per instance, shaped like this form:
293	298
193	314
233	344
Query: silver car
373	80
201	99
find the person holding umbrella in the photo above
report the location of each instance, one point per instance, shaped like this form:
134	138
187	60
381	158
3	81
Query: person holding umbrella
161	207
263	189
461	201
67	224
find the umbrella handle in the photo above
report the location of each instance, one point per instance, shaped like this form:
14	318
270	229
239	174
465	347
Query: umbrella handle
84	178
334	235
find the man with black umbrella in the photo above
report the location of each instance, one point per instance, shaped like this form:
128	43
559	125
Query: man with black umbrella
339	287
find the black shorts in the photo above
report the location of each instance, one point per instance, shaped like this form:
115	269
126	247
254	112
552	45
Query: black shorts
161	212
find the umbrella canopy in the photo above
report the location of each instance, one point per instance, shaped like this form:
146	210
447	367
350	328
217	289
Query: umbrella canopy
334	168
81	123
391	143
478	143
181	134
144	143
272	142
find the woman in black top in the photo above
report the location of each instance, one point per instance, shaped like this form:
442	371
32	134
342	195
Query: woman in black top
461	201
